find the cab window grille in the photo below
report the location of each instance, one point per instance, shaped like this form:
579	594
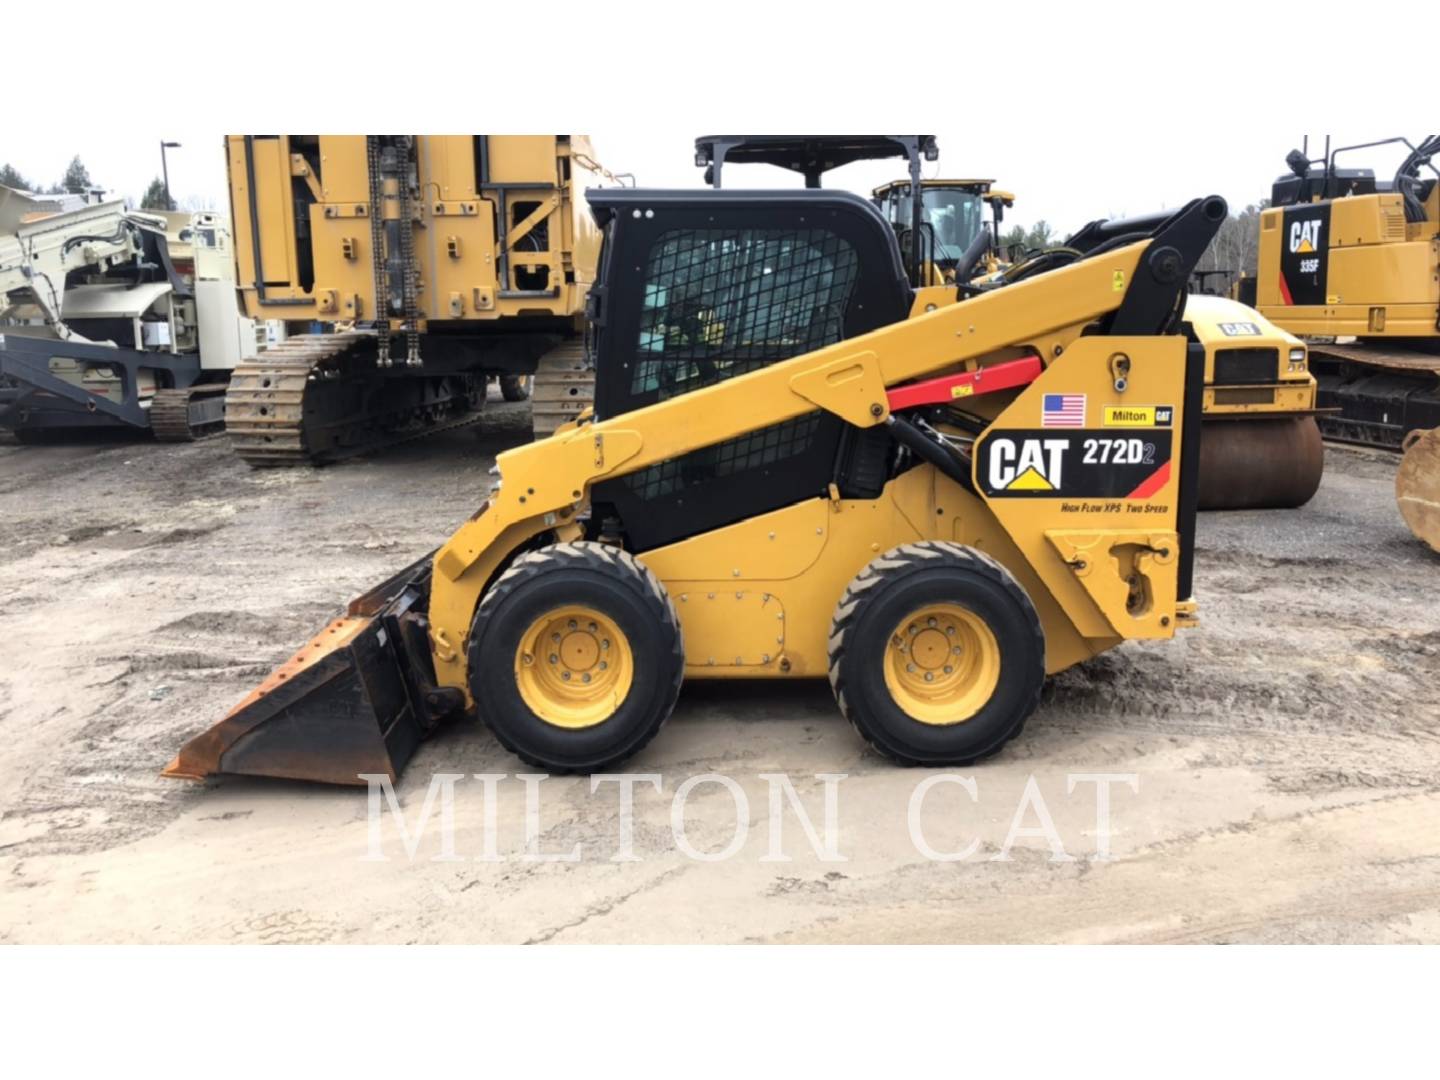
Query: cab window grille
719	303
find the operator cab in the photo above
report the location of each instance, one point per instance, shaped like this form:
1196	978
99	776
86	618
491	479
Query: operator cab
698	287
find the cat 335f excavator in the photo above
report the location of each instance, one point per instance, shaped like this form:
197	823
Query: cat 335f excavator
1352	264
787	476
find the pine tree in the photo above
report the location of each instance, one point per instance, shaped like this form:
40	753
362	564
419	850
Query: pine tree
77	177
11	178
155	197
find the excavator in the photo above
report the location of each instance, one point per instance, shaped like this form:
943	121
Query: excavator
788	473
1351	264
1261	447
423	266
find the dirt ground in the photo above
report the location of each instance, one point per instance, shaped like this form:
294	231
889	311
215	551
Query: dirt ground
1284	754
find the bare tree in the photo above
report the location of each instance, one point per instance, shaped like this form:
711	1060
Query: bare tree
1236	247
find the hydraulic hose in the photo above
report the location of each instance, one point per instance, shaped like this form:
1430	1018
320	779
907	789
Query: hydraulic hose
965	268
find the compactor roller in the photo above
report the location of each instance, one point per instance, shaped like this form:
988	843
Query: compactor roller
786	475
1261	446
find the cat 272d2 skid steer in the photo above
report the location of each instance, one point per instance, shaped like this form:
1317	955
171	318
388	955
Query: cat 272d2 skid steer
786	476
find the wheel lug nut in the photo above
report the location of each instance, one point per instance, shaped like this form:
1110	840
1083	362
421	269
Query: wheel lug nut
956	650
950	630
572	624
910	667
948	669
605	644
929	676
593	628
554	659
603	665
585	677
930	622
555	637
565	675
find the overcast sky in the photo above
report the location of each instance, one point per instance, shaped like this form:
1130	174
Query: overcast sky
1068	178
1083	110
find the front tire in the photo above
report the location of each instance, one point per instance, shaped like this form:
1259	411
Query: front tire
576	657
937	656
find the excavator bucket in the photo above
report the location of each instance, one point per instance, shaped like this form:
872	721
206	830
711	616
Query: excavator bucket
1417	485
355	700
1270	464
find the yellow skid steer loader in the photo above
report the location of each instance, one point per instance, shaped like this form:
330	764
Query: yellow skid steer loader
786	476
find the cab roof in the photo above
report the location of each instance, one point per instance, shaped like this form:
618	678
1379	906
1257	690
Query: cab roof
810	155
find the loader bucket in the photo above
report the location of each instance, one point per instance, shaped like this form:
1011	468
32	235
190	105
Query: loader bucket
354	700
1268	464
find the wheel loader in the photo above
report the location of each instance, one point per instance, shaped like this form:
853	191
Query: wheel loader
423	266
952	218
787	476
1351	263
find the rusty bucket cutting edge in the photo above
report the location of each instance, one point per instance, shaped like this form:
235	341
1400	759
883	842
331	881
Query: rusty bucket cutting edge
343	706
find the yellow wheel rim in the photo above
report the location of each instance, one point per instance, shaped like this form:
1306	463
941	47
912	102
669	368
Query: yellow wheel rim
942	664
574	667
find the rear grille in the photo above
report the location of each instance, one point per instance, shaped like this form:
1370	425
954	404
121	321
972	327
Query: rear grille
1242	367
1245	395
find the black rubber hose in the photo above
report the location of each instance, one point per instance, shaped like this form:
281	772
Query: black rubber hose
928	446
1409	173
965	268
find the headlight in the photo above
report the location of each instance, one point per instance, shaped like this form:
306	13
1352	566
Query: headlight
1297	359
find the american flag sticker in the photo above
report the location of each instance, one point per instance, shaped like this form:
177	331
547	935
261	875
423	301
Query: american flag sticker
1063	410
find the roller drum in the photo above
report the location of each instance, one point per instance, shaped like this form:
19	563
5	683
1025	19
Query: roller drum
1260	464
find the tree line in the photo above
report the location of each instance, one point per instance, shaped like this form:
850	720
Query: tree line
1236	246
76	181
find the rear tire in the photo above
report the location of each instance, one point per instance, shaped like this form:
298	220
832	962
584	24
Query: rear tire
576	657
937	656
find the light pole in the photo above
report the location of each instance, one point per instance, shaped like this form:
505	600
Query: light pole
165	168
